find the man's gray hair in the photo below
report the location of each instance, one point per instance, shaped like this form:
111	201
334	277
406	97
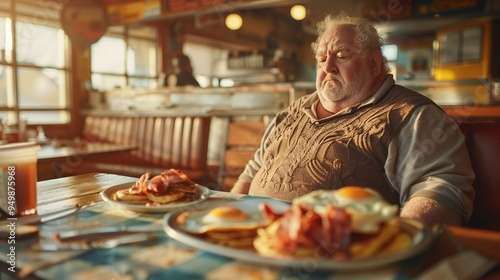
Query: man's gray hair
367	36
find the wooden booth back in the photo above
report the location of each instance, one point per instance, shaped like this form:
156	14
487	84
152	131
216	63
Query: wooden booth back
162	142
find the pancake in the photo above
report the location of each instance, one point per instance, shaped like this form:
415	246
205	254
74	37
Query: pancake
126	196
237	238
186	187
169	196
244	242
172	186
187	197
231	234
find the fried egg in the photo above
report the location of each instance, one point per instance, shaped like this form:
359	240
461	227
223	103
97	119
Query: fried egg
224	214
367	207
224	217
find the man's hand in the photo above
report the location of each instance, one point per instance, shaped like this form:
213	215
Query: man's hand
430	211
241	187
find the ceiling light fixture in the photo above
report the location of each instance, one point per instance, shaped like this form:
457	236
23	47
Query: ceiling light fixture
298	12
234	21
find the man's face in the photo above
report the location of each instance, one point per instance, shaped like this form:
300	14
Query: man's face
345	74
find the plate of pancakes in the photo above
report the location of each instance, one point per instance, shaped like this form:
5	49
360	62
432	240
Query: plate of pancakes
178	196
251	231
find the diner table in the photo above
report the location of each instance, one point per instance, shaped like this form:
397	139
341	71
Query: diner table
160	256
62	157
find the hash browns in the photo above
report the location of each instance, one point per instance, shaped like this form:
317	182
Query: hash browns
390	239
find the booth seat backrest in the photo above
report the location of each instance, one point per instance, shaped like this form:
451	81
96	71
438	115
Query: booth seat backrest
170	141
483	144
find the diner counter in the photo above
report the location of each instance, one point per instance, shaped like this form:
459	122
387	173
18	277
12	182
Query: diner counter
162	257
258	100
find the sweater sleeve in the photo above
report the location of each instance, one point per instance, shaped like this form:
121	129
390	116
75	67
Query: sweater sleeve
429	159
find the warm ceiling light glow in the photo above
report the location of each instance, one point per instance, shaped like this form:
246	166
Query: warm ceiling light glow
234	21
298	12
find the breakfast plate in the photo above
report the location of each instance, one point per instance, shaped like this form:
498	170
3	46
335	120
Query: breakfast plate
109	196
422	238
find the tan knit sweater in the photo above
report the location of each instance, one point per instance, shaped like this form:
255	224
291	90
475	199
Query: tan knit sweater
302	156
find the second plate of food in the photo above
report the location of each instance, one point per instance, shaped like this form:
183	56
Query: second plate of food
110	196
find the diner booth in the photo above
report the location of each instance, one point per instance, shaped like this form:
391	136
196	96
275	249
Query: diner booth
95	86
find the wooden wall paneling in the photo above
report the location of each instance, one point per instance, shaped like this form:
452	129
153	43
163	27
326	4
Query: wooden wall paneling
157	140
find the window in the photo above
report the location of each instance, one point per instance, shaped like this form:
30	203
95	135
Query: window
203	57
34	81
391	54
125	57
461	45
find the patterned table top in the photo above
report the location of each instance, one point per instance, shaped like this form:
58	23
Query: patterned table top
158	258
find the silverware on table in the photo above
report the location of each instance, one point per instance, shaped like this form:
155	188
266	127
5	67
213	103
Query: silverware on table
46	245
74	234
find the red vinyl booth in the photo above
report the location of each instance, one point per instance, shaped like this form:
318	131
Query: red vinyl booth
483	144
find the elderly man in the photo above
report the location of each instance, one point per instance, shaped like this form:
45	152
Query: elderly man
360	128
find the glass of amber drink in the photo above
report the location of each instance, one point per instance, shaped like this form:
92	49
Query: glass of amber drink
18	177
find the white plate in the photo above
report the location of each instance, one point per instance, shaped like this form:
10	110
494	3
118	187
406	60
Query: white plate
107	195
423	238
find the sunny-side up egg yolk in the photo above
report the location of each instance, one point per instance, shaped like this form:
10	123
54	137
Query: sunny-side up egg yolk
353	192
225	214
367	208
226	217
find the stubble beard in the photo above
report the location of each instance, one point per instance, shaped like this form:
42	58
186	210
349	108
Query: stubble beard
336	90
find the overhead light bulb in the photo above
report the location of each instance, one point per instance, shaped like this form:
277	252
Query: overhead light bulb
234	21
298	12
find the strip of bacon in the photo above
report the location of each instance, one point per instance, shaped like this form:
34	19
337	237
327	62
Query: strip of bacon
173	176
268	212
300	226
140	186
337	232
158	184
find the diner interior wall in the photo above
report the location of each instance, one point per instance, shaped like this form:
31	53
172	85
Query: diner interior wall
261	30
265	26
268	27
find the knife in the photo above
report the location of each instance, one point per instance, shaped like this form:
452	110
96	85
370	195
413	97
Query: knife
95	244
74	234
